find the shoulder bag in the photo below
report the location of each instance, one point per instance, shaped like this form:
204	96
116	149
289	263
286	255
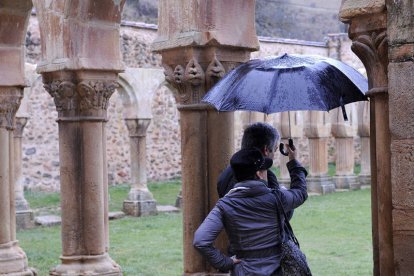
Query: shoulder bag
293	261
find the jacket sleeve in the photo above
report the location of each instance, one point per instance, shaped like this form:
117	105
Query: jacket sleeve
297	194
204	238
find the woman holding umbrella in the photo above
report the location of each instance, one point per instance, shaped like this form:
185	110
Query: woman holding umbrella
250	213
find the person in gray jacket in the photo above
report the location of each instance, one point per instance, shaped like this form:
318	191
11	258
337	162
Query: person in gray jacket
250	216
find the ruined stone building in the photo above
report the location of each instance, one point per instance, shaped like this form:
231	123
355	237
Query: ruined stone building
86	54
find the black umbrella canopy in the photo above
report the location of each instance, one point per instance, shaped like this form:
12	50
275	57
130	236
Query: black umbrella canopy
287	83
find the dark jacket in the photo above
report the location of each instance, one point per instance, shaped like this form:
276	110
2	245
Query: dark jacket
250	216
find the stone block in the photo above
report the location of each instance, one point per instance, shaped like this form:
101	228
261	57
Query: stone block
320	185
402	172
24	219
349	182
403	219
404	253
9	21
355	8
364	180
231	24
140	208
401	100
400	22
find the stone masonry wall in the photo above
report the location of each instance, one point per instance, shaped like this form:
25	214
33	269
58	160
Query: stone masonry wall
40	136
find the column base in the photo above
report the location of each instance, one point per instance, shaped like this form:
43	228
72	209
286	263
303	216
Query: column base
87	265
140	208
347	182
24	219
365	180
320	184
13	260
140	202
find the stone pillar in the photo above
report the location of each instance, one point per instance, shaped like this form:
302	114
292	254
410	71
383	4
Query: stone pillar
24	216
140	201
368	31
81	99
317	130
137	86
364	134
344	133
13	260
81	59
400	31
194	61
293	130
14	16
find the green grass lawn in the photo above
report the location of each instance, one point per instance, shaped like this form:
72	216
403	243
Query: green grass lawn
334	231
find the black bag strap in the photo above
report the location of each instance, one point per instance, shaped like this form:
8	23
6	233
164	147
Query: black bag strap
287	228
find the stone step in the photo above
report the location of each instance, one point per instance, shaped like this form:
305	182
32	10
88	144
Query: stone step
116	215
48	220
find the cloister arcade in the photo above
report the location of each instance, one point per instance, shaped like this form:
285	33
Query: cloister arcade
199	41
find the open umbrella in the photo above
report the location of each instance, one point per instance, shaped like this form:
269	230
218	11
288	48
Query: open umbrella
288	83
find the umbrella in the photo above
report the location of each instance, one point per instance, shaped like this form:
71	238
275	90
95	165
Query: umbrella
288	83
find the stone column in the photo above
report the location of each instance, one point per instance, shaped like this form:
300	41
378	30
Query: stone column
368	31
81	99
140	201
364	134
317	130
81	59
293	130
13	260
24	216
194	61
344	133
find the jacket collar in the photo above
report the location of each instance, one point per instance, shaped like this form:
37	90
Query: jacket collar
249	188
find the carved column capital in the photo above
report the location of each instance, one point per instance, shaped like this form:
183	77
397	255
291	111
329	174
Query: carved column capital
370	44
137	127
10	98
79	95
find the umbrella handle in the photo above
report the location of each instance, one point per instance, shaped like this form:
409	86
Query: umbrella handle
282	147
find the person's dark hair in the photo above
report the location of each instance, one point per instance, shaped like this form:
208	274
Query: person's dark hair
259	135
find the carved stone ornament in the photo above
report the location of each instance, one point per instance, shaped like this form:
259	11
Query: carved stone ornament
85	95
95	94
9	103
63	93
372	49
195	80
215	71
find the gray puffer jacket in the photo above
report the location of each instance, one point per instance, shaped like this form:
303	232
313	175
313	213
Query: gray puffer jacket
249	214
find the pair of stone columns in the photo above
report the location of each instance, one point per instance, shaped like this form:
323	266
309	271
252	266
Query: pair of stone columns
212	38
13	260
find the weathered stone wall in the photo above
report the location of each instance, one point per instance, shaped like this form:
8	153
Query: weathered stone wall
40	137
